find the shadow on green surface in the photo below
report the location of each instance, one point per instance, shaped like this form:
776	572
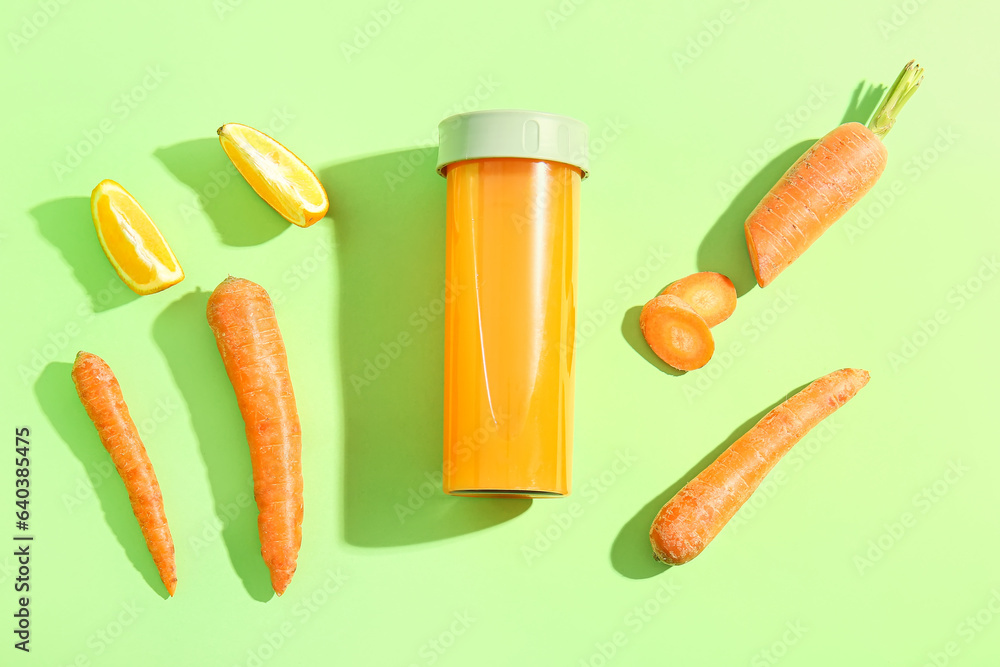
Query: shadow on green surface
633	336
864	99
724	248
58	399
389	224
68	225
182	333
631	553
240	216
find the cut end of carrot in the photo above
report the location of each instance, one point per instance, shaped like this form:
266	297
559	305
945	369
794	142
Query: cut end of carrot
676	333
85	360
234	285
711	295
673	541
763	273
852	380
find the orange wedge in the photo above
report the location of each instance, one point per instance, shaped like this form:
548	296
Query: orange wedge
133	244
276	174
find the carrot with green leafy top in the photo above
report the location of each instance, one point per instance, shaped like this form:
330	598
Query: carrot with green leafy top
690	520
823	184
102	398
246	331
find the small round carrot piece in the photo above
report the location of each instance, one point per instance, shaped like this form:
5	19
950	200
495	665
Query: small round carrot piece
676	333
712	295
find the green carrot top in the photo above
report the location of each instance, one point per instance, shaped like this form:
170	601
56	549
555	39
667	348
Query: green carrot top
902	90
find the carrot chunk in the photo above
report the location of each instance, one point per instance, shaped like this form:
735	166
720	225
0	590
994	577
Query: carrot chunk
711	295
676	333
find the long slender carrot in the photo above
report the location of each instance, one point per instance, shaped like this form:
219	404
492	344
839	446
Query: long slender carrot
830	178
101	396
246	330
692	518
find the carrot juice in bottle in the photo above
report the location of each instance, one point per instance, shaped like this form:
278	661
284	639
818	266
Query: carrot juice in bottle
513	203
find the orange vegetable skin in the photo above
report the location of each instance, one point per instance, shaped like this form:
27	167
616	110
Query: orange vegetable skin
246	330
711	295
676	333
101	396
821	186
690	520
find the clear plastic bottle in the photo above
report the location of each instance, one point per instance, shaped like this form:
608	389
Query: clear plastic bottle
512	214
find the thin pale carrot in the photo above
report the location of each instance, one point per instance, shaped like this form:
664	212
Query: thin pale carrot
690	520
242	317
101	396
823	184
711	295
676	333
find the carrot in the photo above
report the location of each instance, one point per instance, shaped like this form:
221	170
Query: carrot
692	518
242	318
102	397
830	178
710	294
676	333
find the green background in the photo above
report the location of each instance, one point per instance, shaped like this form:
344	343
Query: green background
874	542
